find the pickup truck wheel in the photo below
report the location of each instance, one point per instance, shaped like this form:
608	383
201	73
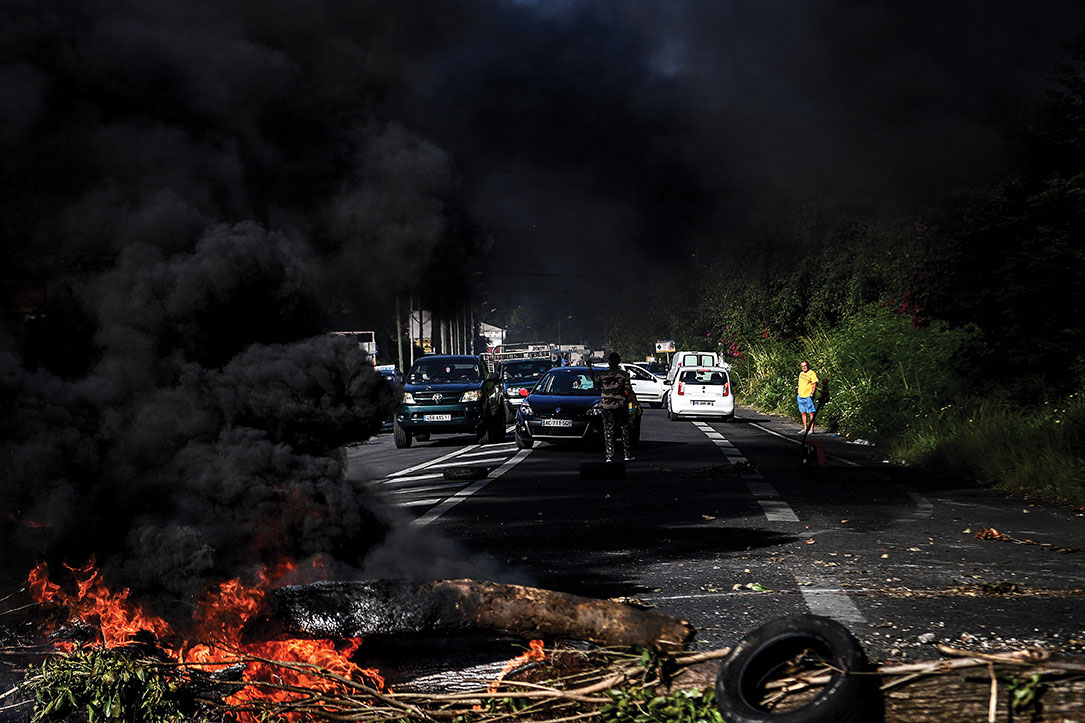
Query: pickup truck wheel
401	436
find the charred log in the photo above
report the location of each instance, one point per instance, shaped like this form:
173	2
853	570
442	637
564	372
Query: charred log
376	608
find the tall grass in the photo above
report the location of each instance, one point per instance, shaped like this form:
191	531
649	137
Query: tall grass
1037	450
910	391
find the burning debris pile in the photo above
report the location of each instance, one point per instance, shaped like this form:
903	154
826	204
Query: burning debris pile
293	652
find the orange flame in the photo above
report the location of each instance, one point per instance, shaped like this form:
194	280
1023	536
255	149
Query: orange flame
534	652
220	617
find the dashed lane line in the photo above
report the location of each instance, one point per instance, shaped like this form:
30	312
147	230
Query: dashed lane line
823	596
772	505
924	507
775	509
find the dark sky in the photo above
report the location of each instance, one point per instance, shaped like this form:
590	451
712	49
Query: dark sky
553	145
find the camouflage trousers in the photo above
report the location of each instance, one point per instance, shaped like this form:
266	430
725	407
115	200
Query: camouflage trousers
615	421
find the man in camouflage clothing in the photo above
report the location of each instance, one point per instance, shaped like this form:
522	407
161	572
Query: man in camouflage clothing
616	392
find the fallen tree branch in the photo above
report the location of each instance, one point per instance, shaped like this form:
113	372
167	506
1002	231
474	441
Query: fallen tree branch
378	608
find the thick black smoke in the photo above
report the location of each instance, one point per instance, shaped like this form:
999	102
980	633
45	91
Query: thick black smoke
203	442
207	187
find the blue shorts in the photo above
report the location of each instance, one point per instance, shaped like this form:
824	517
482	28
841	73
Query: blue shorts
806	405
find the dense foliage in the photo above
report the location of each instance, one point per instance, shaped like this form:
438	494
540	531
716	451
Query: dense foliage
948	331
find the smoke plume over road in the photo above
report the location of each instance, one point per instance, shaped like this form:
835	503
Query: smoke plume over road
207	187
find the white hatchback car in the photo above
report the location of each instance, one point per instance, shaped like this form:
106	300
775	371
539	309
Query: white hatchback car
701	392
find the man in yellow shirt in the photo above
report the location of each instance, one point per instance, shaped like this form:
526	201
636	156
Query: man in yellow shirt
808	385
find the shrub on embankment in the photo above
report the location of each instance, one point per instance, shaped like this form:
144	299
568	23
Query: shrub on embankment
916	394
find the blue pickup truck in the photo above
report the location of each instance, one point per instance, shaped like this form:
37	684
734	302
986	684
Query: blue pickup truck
449	394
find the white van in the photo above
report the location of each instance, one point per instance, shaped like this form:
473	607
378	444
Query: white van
694	359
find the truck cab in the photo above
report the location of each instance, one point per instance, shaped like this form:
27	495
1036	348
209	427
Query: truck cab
449	394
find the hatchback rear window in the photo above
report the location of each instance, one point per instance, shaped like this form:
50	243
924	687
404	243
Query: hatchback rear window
703	376
693	360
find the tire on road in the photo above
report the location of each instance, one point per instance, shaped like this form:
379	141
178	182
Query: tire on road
766	652
401	436
523	442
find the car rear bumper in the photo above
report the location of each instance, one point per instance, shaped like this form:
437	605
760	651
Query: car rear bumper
719	409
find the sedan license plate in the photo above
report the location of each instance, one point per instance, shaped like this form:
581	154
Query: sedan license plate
702	402
557	422
438	417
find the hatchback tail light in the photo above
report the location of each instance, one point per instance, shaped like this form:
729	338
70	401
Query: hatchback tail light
681	388
726	388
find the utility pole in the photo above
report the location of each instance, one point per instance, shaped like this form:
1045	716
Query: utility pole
399	333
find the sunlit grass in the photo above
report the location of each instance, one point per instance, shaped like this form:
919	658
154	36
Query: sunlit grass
904	389
1037	450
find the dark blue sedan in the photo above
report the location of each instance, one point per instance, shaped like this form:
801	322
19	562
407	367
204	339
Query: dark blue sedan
564	407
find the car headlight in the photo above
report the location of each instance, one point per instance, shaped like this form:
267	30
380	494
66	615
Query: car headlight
408	398
471	396
525	409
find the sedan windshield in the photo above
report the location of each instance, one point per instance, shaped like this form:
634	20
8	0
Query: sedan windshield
445	371
569	383
531	369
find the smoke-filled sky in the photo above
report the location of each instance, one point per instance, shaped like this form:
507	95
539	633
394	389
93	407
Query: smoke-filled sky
584	138
211	184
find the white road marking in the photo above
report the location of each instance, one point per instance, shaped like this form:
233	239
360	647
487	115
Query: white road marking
420	503
924	508
824	597
412	478
491	449
463	494
799	442
468	464
427	489
417	467
775	509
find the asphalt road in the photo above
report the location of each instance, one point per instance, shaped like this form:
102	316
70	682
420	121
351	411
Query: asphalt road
719	524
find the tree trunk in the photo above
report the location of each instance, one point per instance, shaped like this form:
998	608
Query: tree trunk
447	607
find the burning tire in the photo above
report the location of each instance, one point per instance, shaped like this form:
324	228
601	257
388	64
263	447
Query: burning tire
401	436
774	651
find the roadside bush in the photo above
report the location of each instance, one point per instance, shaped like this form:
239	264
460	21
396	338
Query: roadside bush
1037	450
882	373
